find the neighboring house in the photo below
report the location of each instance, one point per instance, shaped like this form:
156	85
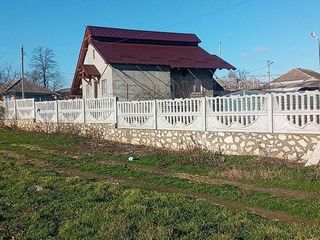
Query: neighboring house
245	93
232	84
137	65
63	93
297	79
13	89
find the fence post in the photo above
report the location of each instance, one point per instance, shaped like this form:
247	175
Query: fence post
155	117
34	110
57	110
15	109
84	110
204	113
115	100
270	112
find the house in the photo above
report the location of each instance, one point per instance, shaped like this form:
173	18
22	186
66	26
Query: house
245	93
13	88
138	65
232	84
63	93
297	79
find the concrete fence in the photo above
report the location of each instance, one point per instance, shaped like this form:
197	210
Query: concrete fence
267	113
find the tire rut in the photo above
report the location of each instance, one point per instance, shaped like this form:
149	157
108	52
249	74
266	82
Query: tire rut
277	216
280	192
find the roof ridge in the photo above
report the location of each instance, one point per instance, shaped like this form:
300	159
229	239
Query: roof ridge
11	84
308	71
302	71
140	30
142	35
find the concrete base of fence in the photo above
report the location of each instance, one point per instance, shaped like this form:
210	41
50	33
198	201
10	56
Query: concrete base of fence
295	147
314	158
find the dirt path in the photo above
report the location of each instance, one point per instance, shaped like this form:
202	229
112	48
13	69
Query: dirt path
167	190
280	192
209	180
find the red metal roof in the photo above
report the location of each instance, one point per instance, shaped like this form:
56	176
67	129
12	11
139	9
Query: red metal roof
118	33
124	46
90	70
173	56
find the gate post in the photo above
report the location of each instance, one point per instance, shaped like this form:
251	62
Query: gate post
270	112
155	117
204	113
115	111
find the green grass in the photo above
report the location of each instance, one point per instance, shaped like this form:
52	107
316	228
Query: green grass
70	207
263	172
309	209
73	208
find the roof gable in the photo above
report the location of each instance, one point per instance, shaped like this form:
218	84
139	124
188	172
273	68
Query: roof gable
7	85
15	86
298	74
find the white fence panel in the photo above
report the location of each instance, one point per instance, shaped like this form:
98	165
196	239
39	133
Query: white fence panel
46	111
181	114
71	111
297	112
101	110
25	108
9	109
277	112
136	114
238	113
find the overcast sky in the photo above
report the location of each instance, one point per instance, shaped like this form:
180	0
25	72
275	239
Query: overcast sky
251	31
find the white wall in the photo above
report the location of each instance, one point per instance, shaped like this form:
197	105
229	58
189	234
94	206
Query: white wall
94	58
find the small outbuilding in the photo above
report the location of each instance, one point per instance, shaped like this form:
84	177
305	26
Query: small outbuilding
13	89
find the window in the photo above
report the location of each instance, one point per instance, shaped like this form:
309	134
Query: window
104	87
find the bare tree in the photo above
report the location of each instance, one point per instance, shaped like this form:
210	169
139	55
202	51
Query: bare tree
57	82
45	69
7	73
240	74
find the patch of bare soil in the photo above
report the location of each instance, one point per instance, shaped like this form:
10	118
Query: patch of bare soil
116	148
4	231
269	161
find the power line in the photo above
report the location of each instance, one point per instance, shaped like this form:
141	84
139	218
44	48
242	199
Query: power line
258	69
208	13
186	20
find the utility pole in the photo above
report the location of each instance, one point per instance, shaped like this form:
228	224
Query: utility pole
22	73
220	49
315	35
269	73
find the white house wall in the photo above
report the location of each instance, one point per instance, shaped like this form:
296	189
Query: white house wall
94	58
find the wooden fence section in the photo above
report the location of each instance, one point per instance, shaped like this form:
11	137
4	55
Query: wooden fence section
297	112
